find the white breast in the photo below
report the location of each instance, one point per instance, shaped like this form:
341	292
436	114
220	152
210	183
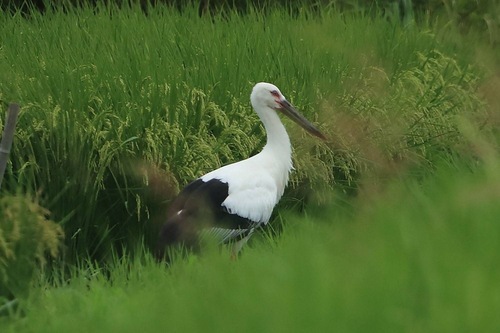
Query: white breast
255	186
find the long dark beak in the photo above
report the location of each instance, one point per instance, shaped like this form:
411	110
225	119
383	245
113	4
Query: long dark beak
291	112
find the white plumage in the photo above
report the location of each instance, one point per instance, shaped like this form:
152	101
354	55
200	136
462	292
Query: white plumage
240	196
254	188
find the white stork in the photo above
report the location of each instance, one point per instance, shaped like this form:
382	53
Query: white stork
228	203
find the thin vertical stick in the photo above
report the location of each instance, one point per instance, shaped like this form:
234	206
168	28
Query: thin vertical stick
7	137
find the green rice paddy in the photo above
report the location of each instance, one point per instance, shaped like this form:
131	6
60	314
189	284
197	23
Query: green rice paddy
390	225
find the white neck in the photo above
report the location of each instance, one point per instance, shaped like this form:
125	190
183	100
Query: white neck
278	147
277	137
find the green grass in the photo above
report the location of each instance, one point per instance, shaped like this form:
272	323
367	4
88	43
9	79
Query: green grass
420	257
121	109
118	105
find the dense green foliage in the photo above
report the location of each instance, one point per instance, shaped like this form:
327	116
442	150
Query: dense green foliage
121	108
25	238
420	257
118	105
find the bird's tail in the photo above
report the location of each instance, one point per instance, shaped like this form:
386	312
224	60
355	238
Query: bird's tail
176	234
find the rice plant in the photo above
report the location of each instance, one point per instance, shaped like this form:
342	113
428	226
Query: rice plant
118	105
419	256
121	108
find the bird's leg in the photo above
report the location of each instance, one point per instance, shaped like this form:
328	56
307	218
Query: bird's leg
236	247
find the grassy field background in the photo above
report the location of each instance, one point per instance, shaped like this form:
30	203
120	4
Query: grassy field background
390	225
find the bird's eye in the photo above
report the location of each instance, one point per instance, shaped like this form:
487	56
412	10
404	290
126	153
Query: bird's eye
275	93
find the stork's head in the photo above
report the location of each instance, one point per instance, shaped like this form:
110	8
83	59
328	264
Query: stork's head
268	96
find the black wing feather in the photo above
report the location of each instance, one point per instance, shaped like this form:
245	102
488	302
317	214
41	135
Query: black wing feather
199	206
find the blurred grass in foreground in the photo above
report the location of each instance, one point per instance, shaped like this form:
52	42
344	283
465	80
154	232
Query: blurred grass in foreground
421	256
